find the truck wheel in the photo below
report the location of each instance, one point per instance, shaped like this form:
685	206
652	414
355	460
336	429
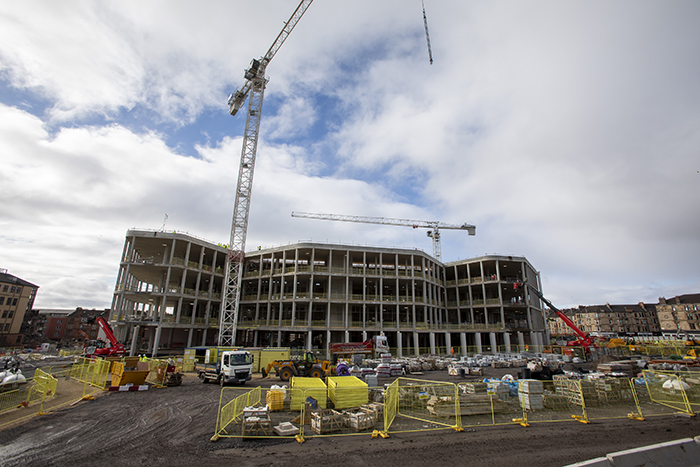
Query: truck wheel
222	382
315	373
286	373
203	378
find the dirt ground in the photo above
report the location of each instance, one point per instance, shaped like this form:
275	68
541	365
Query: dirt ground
173	426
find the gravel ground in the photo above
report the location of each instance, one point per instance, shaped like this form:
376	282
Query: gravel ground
173	426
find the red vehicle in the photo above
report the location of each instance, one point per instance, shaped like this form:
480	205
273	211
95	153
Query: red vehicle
374	346
584	340
99	348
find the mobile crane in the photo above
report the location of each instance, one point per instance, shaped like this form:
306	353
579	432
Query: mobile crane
584	340
255	87
98	348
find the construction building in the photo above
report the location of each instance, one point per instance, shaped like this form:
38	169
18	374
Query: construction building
169	286
609	320
16	298
680	314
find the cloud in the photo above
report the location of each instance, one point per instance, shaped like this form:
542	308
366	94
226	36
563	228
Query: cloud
567	133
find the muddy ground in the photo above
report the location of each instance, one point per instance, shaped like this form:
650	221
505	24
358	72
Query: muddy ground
173	426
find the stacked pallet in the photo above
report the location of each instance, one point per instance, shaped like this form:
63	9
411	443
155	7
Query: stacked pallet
360	420
478	404
256	422
473	388
301	388
275	400
347	391
326	421
617	369
530	393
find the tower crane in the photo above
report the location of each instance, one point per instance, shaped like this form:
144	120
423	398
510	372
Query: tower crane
254	87
434	226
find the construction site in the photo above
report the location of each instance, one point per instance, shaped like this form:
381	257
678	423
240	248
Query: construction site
372	355
545	408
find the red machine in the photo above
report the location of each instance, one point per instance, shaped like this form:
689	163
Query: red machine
583	341
375	345
98	348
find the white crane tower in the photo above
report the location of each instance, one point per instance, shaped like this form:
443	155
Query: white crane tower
434	226
255	87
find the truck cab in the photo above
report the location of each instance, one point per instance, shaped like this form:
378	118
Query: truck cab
233	366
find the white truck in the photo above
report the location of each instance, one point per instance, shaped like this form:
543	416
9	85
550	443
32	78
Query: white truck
233	366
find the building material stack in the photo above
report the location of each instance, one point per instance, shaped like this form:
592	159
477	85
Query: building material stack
530	393
307	387
475	400
347	391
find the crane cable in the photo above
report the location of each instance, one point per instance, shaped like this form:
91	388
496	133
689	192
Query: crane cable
427	35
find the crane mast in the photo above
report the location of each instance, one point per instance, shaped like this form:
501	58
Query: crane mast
254	88
433	226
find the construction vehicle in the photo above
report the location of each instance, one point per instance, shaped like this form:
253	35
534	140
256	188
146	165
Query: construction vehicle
584	340
98	347
433	233
255	87
233	366
306	365
373	347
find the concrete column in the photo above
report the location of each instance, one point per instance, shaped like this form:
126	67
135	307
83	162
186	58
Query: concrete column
279	335
506	339
399	343
415	343
364	335
521	342
448	343
190	333
134	340
155	342
477	339
347	336
170	337
492	340
463	342
309	336
204	337
432	342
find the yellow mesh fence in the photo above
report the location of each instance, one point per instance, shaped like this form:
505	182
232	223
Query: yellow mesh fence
669	390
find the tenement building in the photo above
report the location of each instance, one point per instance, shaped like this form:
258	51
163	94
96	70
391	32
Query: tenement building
609	320
307	295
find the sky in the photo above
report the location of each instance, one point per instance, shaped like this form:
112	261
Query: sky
567	132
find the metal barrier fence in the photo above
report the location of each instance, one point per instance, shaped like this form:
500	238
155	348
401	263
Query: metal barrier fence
410	405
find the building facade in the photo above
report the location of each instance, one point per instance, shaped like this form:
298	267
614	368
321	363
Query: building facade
608	320
16	298
72	327
307	295
680	314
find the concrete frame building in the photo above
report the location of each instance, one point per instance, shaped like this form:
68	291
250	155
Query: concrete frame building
168	295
